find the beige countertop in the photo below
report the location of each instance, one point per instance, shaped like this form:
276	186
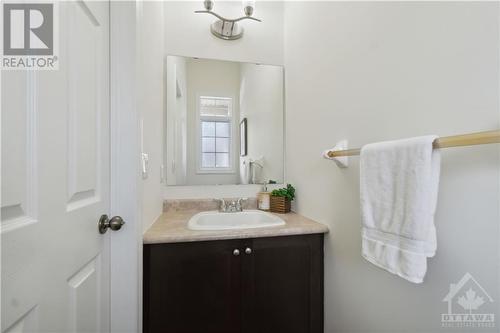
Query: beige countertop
171	227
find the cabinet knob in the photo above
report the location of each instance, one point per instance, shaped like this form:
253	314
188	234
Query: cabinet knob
248	250
236	252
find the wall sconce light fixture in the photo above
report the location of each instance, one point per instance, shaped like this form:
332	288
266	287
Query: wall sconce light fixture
225	28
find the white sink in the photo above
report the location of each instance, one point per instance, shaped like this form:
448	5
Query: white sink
241	220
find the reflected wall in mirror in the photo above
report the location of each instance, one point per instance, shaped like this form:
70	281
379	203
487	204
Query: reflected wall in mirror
224	122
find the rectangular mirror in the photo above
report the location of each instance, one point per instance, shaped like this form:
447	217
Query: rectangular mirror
224	122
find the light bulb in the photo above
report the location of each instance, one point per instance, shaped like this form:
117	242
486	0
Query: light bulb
248	7
209	4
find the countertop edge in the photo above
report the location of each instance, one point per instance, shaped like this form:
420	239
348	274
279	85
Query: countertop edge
205	238
297	224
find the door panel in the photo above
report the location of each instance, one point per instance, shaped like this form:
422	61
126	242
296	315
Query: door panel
199	280
55	183
26	323
84	105
84	292
19	155
290	269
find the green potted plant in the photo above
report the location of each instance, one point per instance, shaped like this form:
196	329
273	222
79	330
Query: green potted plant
281	199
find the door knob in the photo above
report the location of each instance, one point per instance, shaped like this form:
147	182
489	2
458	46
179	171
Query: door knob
248	250
236	252
115	223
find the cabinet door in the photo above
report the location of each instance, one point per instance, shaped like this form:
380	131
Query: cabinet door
283	285
192	287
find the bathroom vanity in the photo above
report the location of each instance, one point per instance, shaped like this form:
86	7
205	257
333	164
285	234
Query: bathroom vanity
228	281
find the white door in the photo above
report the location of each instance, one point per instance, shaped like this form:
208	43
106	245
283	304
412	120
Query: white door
55	183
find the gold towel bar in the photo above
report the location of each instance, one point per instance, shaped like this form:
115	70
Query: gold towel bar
479	138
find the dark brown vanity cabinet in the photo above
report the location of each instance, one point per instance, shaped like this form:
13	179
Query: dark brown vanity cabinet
259	285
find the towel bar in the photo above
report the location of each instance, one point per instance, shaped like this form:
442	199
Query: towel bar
479	138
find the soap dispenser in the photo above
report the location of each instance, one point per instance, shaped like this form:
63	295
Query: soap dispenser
264	199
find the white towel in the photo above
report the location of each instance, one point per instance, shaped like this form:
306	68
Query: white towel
399	187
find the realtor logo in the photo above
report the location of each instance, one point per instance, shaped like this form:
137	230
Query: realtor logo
29	32
465	299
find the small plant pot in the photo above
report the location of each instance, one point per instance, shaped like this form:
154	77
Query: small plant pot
280	205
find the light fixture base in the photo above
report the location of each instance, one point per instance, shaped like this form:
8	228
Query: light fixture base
226	30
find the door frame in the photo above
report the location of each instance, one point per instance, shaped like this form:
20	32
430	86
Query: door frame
126	187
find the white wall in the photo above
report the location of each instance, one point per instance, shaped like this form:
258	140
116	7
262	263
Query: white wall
261	102
371	71
188	34
149	53
150	104
211	78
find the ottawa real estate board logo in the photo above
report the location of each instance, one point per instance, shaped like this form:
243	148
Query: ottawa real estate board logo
29	38
467	301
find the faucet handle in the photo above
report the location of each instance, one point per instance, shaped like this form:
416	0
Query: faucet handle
222	203
240	202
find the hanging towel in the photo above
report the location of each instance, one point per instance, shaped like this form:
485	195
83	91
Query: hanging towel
399	185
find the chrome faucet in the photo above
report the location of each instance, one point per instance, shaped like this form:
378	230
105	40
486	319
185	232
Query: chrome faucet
232	206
